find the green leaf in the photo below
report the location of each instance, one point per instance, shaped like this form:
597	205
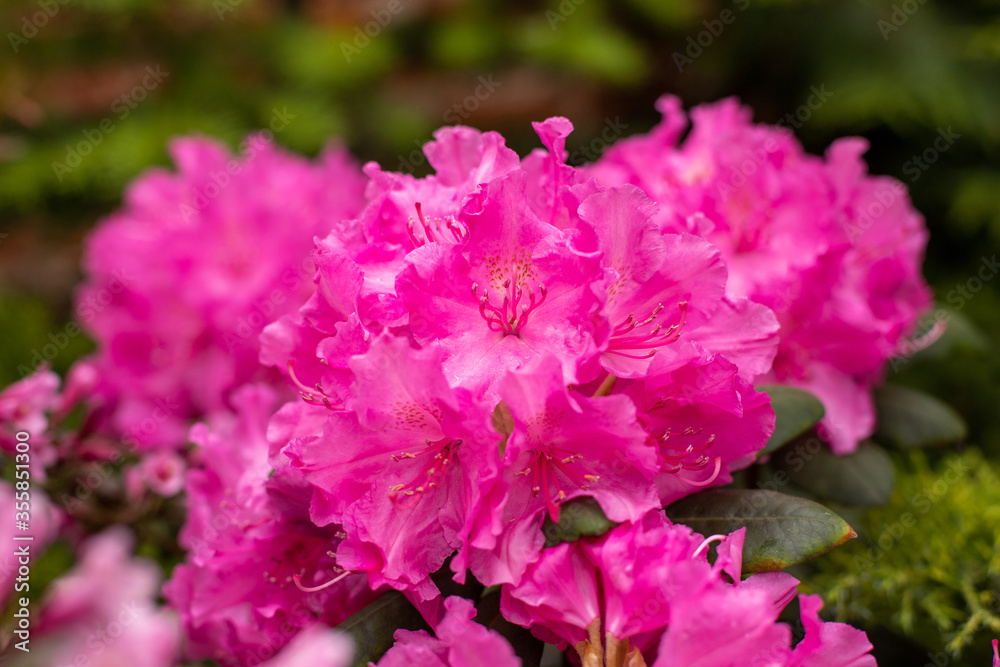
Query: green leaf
579	517
909	418
795	412
372	627
782	530
865	477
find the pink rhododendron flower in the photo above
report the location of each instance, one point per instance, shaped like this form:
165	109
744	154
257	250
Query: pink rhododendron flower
492	288
24	404
317	646
666	293
410	212
460	642
646	590
393	374
24	408
243	594
550	181
563	445
703	420
184	278
405	470
517	287
834	252
356	271
162	472
103	610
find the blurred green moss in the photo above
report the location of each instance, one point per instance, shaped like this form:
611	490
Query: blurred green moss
927	564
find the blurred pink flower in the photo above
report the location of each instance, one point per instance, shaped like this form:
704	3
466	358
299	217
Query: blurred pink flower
834	252
43	520
252	549
103	611
24	408
182	280
317	646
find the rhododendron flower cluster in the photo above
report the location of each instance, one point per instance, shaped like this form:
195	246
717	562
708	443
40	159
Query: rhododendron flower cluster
181	281
358	383
834	252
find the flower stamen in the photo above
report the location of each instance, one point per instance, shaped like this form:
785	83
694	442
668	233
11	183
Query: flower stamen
434	230
313	396
432	473
507	319
628	346
297	578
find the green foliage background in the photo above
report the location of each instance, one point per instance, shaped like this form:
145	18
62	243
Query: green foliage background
899	73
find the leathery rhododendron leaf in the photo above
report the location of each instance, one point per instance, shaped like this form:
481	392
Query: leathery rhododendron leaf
782	530
909	418
580	517
865	477
795	411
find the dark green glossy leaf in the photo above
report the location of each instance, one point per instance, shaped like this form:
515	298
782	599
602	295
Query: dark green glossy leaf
372	627
909	418
795	412
865	477
579	517
782	530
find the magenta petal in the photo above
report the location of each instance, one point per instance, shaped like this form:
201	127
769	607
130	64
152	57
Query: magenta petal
558	595
460	642
829	644
723	628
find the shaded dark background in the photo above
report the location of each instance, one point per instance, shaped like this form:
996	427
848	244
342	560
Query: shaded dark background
899	73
